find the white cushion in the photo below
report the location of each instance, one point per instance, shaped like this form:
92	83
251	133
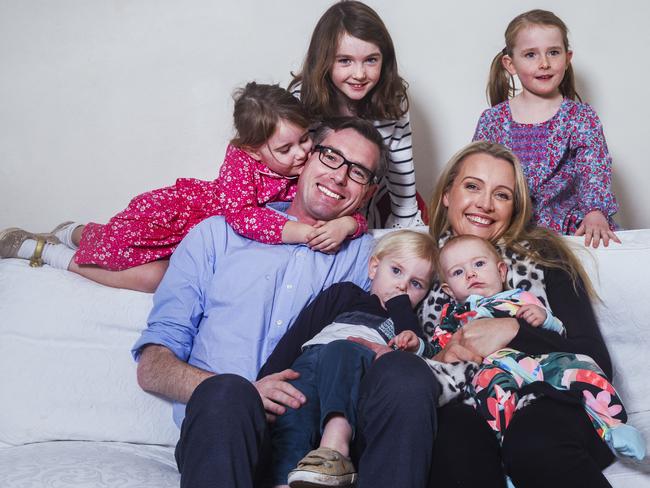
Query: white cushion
67	373
88	465
621	276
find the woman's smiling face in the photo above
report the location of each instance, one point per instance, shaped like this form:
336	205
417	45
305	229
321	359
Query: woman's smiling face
480	200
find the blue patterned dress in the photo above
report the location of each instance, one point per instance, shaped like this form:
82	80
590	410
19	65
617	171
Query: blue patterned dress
565	160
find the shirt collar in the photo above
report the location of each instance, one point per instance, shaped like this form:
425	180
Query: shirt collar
281	208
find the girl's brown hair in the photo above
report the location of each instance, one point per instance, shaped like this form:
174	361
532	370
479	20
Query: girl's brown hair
501	84
387	100
522	236
259	108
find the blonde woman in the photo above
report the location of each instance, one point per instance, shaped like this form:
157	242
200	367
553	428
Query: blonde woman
483	192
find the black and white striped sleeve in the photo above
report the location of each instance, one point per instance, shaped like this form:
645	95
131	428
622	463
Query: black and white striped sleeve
400	180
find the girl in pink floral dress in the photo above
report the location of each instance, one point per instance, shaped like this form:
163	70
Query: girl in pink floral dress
262	165
559	141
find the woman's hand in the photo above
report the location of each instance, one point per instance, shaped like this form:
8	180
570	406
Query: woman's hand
485	336
595	227
455	351
378	349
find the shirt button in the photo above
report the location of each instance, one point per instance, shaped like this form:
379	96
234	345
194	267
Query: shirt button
278	322
268	277
289	287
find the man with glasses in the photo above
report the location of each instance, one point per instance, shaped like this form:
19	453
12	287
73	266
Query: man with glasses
331	184
226	301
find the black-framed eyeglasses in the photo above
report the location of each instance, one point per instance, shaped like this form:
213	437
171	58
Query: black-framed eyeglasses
333	159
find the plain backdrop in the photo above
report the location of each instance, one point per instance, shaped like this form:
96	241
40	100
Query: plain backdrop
103	99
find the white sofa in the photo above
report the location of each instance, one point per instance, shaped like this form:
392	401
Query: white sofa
73	415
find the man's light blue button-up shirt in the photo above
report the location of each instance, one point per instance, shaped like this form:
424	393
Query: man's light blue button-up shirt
226	301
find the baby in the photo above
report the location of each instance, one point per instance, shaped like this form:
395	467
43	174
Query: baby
474	276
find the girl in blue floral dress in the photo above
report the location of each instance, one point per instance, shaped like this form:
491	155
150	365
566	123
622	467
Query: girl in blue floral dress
559	140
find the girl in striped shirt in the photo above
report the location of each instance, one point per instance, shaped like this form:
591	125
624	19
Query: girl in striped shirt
350	69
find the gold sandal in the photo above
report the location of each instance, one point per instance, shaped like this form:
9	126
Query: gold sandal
11	239
36	261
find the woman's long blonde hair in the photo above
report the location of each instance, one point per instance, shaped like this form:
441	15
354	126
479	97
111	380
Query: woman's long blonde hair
501	84
522	236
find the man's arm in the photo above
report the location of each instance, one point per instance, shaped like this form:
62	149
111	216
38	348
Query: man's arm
160	372
164	347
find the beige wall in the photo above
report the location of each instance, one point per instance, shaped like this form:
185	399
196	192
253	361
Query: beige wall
103	99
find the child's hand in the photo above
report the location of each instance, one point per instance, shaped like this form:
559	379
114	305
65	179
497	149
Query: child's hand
405	341
328	236
296	232
595	227
533	314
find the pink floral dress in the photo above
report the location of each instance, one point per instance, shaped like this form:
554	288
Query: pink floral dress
155	222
